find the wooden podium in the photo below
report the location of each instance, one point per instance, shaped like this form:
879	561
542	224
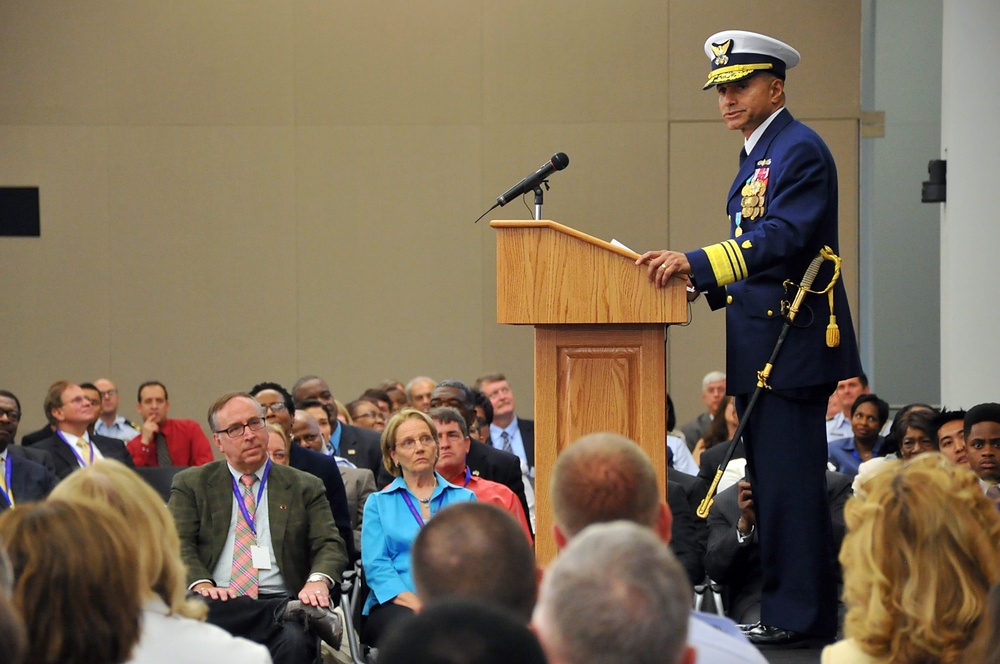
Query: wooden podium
600	356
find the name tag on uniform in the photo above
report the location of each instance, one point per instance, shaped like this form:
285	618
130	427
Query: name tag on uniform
261	556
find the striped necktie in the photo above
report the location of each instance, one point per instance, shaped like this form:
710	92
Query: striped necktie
85	452
243	579
505	442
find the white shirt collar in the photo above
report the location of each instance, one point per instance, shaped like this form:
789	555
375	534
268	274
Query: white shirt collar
750	143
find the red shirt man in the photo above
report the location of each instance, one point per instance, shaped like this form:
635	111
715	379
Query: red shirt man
453	441
185	441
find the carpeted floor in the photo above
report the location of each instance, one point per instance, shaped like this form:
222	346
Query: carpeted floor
780	656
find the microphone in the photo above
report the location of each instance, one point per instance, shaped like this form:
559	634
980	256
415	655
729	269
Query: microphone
558	162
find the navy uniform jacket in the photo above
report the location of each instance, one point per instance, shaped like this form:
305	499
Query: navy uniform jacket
745	274
29	481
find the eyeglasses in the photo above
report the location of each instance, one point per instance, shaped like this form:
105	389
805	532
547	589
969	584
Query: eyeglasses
78	401
12	415
376	414
408	444
275	407
497	392
109	393
254	424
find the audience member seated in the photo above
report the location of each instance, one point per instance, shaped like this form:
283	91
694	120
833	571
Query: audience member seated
917	434
919	558
848	391
868	415
365	413
614	594
461	631
358	445
688	531
250	551
732	556
110	423
604	477
172	627
484	460
721	430
94	395
982	435
162	441
359	483
418	392
950	431
71	446
380	399
278	444
75	581
713	388
23	478
453	446
397	395
477	551
395	515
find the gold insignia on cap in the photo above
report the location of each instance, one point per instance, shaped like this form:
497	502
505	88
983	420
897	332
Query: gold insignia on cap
721	51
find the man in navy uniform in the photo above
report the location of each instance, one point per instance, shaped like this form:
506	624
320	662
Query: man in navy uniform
782	211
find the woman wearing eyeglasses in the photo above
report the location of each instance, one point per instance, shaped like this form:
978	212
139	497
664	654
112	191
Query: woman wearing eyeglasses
395	515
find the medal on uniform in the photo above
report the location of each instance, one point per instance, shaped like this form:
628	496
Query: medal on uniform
739	231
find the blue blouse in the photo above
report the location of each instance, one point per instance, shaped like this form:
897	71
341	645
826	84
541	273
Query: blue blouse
387	533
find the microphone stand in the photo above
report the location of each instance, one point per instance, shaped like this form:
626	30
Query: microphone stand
538	199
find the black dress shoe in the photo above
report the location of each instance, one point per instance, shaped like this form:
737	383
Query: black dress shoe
766	635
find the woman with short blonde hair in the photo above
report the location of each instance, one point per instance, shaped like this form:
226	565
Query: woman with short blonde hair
919	558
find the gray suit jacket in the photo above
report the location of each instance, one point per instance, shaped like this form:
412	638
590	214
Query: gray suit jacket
303	534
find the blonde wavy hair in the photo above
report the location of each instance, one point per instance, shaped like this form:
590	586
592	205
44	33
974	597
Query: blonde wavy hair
919	558
150	523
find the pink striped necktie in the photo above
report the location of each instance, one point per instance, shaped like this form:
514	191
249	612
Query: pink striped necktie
243	579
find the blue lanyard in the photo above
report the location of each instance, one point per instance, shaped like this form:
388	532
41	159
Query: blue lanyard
468	476
413	508
251	519
9	497
72	448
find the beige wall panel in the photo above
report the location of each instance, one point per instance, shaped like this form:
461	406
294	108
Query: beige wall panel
614	186
828	35
388	267
388	62
202	292
200	62
55	309
703	162
571	61
53	59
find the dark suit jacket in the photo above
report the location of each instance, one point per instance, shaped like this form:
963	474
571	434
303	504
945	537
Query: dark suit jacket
36	436
737	566
29	481
527	430
303	533
689	532
325	468
65	461
34	454
362	447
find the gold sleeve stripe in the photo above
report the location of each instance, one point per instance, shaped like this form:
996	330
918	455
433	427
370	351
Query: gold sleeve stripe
726	259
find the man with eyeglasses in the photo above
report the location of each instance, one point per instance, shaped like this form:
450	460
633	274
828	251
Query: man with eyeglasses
279	409
22	477
276	562
71	445
110	423
360	446
163	441
982	445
